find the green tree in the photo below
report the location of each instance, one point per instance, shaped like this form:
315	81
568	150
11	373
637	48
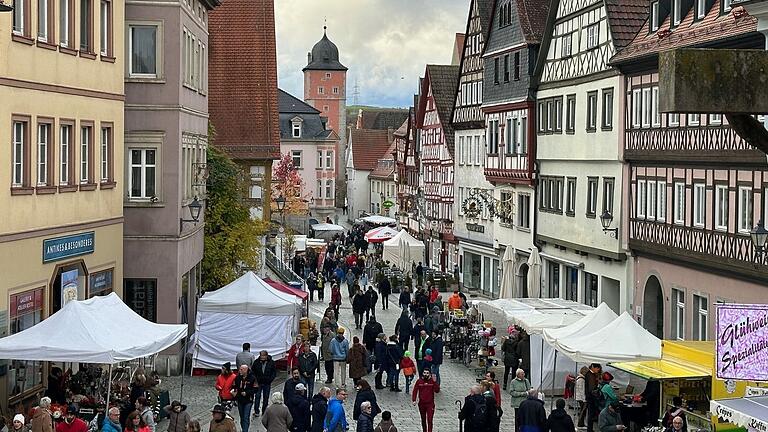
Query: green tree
232	237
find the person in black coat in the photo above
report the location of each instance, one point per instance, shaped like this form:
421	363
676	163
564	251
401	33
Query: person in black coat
298	406
263	369
405	299
559	420
289	389
372	298
365	393
392	362
511	361
385	289
320	408
437	346
532	415
404	330
493	412
371	332
523	352
380	352
473	423
359	306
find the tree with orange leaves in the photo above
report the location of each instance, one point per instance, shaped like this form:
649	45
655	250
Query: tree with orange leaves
287	182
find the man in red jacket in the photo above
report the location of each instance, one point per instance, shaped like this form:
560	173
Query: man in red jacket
425	389
71	423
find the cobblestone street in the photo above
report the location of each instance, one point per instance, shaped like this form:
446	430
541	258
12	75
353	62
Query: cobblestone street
456	379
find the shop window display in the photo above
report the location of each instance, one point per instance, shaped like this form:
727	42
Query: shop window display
26	310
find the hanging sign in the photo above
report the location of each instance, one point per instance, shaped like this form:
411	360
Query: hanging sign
742	342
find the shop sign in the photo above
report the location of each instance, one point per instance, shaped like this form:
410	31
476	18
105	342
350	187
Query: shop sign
100	281
755	391
60	248
475	228
142	299
742	342
26	302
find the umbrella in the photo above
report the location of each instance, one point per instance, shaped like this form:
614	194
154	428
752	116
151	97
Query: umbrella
380	234
534	274
508	275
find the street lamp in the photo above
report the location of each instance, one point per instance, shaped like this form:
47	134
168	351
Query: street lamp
759	236
280	201
605	219
194	212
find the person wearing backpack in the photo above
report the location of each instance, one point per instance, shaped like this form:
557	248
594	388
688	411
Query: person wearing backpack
474	413
519	391
385	425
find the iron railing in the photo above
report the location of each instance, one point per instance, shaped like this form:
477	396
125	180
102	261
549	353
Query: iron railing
281	269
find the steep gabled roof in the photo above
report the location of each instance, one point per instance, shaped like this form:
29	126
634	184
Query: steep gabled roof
485	9
385	167
443	80
533	18
291	104
625	18
383	118
368	146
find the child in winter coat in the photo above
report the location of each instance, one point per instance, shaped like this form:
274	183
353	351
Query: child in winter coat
409	370
428	359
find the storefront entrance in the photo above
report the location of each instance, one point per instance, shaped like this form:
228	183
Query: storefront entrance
653	307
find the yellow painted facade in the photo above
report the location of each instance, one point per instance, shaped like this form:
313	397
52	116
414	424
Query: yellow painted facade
54	95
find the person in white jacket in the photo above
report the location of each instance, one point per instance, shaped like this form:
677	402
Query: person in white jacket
580	394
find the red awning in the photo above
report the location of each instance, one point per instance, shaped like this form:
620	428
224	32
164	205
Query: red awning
286	289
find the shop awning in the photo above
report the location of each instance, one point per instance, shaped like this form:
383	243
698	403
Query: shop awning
750	413
662	369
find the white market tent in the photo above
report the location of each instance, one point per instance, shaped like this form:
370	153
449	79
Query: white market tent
380	234
99	330
623	339
393	254
599	318
378	220
750	413
246	310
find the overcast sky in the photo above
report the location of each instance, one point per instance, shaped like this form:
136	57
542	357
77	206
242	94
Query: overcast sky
384	43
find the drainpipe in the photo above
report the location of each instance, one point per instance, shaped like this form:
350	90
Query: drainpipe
535	185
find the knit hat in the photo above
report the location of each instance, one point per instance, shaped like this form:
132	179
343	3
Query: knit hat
407	353
19	418
429	351
227	366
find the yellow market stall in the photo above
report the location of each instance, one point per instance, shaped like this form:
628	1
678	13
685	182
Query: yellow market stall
686	369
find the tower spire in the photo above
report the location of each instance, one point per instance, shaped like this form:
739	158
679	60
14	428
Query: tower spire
325	25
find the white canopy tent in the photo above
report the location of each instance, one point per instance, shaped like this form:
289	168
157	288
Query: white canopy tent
750	413
380	234
392	250
246	310
378	220
590	323
102	329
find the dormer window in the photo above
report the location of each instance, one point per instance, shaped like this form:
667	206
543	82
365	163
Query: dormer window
701	9
726	6
654	16
676	12
296	128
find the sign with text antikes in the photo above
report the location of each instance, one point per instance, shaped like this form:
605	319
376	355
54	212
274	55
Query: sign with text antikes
60	248
742	342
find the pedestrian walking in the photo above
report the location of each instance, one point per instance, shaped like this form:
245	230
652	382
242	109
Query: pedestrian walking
73	424
385	425
357	360
265	372
518	390
325	352
335	300
593	395
403	330
292	355
493	409
372	298
380	358
277	417
523	352
178	417
423	343
580	395
371	332
420	274
533	416
365	394
299	409
111	422
339	352
424	396
437	347
508	348
41	419
224	382
335	419
409	370
289	388
312	286
220	422
144	407
393	356
404	300
134	423
385	289
490	376
359	306
365	420
308	365
245	357
319	408
559	420
243	389
474	411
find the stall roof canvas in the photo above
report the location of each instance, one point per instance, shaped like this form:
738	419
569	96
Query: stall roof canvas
249	294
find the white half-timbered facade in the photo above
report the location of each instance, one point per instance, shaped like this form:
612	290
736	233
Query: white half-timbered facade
579	153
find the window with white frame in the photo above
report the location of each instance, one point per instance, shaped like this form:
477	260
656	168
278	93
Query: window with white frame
701	9
652	201
296	158
679	217
608	186
661	196
570	113
329	160
715	119
43	15
678	314
462	151
593	35
700	317
726	6
479	159
676	12
508	137
656	119
20	14
566	41
721	207
654	16
65	26
523	210
674	119
329	189
106	145
85	153
19	152
637	108
558	113
570	196
607	117
105	28
296	129
43	152
65	142
699	204
591	111
647	106
143	50
319	159
592	196
522	140
642	199
745	209
142	173
493	137
694	119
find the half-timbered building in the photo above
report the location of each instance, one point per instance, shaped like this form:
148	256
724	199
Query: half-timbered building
433	121
578	151
407	172
508	107
477	259
695	188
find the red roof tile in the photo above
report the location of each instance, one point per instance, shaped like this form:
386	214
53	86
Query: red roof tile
385	167
533	18
368	146
625	18
688	33
242	77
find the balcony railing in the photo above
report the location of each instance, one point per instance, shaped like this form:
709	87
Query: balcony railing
704	142
715	248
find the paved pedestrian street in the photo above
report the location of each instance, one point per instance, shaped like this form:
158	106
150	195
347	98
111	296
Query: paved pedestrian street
456	379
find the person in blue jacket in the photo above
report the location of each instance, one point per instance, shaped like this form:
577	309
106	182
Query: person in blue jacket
335	419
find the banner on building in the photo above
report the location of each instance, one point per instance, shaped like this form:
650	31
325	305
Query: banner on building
68	286
742	342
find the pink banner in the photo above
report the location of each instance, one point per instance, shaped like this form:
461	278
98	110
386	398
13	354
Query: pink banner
742	342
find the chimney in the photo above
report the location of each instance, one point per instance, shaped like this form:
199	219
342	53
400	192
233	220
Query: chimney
324	121
309	58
